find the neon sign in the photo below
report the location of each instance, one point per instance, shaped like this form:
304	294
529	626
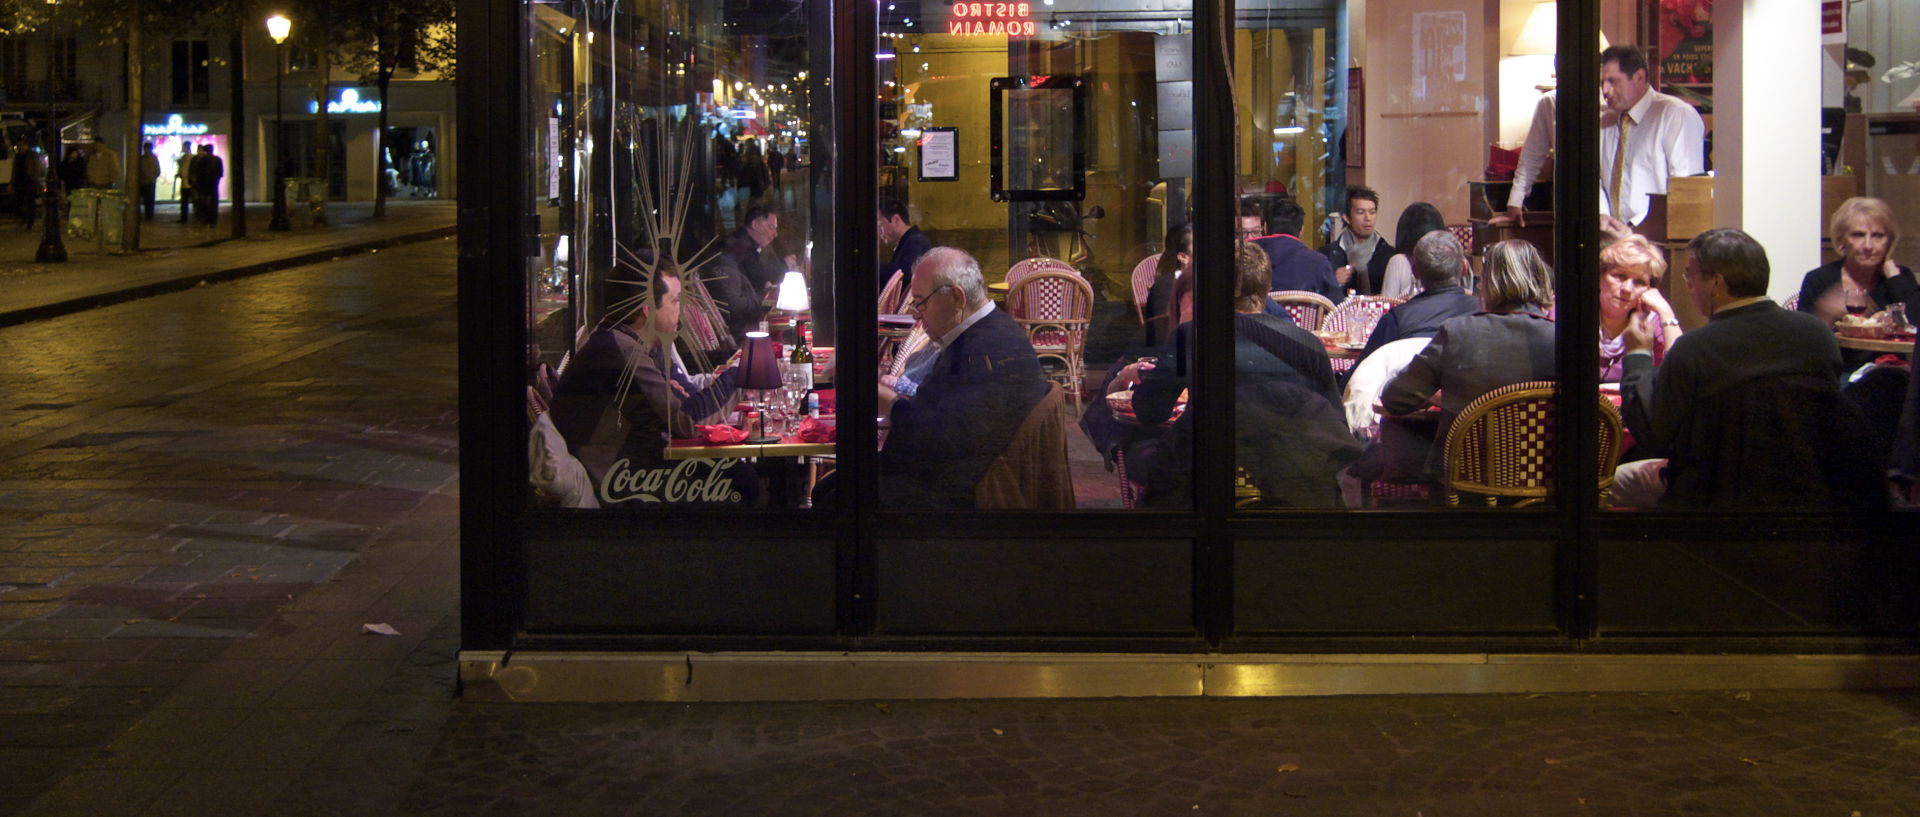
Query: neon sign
175	126
982	19
349	102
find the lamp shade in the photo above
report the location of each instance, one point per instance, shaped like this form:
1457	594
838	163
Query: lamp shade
1538	35
793	293
759	364
278	27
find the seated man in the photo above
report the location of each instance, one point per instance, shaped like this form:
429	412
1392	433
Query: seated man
1295	265
1359	254
1437	262
1745	411
741	279
983	382
622	398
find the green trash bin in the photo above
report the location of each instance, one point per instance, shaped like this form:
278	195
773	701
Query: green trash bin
110	214
83	207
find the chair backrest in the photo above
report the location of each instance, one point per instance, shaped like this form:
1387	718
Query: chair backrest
1464	234
1038	263
1051	296
1792	303
914	342
1357	315
1143	274
893	294
1502	445
1307	308
1033	472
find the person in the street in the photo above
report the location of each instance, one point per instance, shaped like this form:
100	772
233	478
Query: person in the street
207	170
149	176
73	168
29	180
183	179
103	165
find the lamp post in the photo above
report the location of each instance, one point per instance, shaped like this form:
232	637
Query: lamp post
278	27
53	247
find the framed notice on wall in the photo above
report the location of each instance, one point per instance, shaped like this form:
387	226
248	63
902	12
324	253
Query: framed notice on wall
940	155
1355	143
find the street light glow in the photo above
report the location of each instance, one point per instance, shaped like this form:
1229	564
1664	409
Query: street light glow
278	27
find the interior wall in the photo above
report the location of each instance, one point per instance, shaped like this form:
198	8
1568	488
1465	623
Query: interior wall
1423	149
951	73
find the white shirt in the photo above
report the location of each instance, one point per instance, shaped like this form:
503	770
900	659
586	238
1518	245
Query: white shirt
1533	153
972	319
1667	139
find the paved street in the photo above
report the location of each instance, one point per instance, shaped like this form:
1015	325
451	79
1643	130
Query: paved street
205	495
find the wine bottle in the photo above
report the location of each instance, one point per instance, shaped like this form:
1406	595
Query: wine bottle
802	362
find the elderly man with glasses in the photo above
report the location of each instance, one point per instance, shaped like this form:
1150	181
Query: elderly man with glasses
980	385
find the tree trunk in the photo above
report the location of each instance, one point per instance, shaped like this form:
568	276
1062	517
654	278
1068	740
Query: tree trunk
237	149
322	126
130	142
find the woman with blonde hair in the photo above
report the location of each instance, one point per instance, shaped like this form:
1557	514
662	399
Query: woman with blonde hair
1865	279
1630	271
1510	341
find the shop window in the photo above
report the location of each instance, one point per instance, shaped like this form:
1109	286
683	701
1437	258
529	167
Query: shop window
1034	170
682	333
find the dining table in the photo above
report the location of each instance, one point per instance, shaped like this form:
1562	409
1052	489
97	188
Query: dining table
1897	344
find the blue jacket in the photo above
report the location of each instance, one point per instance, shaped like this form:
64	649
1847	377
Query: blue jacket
1296	266
964	415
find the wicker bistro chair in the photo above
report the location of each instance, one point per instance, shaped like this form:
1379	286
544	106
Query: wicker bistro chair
1143	274
1307	308
1792	303
914	342
1357	316
1039	263
1502	446
893	296
1056	308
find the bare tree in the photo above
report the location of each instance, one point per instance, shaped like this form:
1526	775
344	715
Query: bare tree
414	34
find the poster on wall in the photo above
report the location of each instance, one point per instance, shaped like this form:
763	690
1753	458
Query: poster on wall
940	155
1685	51
1440	64
1354	142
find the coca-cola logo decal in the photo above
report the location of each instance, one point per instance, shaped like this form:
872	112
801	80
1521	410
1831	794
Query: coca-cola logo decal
685	482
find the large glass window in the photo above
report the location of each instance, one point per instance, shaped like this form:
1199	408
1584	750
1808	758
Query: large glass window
1035	170
675	359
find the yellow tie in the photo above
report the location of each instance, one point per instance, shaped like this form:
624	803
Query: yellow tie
1617	187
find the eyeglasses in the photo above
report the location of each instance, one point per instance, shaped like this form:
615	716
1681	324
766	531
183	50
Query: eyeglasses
916	306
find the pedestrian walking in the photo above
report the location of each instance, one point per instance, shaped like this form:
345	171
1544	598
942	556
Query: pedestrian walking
149	176
73	168
207	170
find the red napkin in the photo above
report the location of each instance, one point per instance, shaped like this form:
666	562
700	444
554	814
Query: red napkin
814	430
720	434
828	401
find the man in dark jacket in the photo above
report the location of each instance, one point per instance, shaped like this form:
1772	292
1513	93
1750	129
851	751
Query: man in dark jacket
1437	261
1359	255
207	170
1746	411
907	240
980	388
742	277
1295	265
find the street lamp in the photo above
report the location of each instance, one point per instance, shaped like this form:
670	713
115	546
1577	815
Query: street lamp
278	27
53	247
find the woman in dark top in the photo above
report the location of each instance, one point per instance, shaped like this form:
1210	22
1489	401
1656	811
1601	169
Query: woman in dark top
1416	221
1510	342
1865	280
1174	260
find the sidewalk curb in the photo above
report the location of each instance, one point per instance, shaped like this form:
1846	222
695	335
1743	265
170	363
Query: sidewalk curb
186	282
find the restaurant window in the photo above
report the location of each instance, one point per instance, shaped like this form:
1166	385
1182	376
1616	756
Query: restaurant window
674	289
191	72
1036	166
1394	343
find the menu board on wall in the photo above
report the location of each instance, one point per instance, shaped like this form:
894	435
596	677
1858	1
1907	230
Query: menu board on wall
940	155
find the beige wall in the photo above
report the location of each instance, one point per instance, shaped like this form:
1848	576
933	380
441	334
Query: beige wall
1425	149
954	81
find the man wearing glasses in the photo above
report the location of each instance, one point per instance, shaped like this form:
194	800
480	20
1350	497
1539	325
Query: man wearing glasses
981	384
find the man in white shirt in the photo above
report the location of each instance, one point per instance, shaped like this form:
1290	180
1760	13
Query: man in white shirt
1533	156
1663	135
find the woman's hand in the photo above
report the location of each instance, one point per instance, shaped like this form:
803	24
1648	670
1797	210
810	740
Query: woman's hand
1639	332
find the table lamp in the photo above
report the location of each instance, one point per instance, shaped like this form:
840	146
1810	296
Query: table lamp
760	371
793	293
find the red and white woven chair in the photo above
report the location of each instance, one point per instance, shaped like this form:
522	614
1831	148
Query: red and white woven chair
1056	308
1143	274
1307	308
893	296
1792	303
1356	316
1038	263
1501	447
